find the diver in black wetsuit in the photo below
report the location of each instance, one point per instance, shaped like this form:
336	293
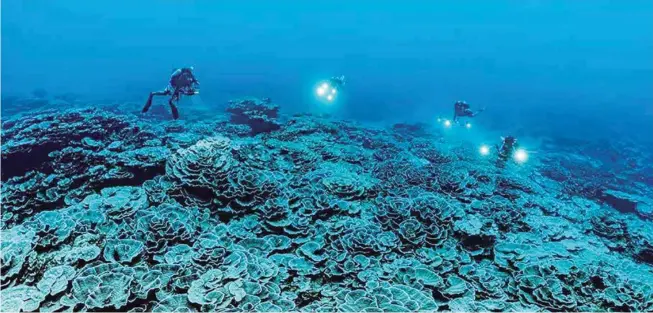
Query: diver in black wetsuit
183	82
337	82
461	109
507	148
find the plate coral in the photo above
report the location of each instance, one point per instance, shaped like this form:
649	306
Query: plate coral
252	210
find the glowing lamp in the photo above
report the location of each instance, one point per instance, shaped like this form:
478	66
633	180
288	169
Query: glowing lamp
484	150
468	125
330	97
333	91
520	156
320	91
447	123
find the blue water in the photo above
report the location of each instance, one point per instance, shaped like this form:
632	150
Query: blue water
403	60
573	80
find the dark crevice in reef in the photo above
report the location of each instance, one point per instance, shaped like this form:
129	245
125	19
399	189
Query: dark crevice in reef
646	256
597	282
139	176
621	204
438	296
17	164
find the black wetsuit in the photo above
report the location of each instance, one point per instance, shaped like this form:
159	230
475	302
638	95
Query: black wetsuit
182	81
462	109
507	148
337	82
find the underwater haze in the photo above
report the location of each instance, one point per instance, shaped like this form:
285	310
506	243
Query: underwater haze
281	187
404	59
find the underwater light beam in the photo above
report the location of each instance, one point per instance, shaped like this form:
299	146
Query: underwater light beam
484	150
520	156
326	91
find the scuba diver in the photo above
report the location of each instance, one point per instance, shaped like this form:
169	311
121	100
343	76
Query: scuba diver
461	108
508	147
337	82
182	81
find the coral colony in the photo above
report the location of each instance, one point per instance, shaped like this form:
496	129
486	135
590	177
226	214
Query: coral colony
254	211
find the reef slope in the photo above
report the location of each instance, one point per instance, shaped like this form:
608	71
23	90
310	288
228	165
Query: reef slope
254	211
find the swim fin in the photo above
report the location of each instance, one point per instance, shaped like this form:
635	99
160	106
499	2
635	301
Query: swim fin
148	104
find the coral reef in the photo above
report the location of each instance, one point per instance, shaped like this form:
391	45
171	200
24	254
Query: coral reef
105	211
259	114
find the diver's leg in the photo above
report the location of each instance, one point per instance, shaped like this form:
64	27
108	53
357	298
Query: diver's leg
472	114
173	107
148	104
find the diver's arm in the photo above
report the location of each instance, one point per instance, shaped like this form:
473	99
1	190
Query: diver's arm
478	112
191	92
176	73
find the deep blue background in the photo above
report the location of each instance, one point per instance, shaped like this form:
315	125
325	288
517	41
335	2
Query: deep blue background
586	61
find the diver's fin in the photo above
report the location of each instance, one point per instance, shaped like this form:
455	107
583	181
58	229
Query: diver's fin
148	104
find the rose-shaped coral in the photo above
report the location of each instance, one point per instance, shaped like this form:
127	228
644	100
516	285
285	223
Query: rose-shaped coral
434	208
342	180
454	181
365	238
612	229
412	234
118	202
433	155
390	212
15	248
275	213
547	293
158	189
385	153
203	167
166	225
208	289
103	286
349	187
247	188
435	235
52	228
31	192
